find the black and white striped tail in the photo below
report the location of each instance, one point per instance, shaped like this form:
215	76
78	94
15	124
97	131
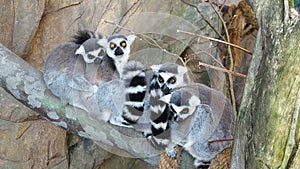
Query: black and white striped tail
160	115
83	35
135	89
160	132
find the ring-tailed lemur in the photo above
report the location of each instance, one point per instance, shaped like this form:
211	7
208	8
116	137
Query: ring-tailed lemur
73	71
194	123
69	75
119	50
166	77
131	73
99	67
116	53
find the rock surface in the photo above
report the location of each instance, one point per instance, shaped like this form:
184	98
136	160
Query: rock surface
27	145
11	108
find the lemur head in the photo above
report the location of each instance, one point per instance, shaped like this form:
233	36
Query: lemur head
93	50
119	48
169	76
182	103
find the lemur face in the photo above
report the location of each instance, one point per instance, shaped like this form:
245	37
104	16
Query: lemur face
169	76
119	47
93	50
166	81
182	103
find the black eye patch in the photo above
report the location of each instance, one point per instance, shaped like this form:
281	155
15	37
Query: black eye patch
101	53
172	80
160	79
112	45
123	44
90	56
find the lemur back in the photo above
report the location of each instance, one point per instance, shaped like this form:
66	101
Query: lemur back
73	76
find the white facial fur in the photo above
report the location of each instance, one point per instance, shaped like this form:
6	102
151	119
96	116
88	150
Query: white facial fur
155	68
182	70
167	80
92	56
164	78
182	112
118	51
187	108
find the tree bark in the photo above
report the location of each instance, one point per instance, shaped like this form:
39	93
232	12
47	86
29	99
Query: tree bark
267	132
26	84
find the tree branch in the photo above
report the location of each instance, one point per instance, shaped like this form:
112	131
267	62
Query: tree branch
26	84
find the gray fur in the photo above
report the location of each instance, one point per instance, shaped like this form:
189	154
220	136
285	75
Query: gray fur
133	68
110	100
213	120
116	36
169	67
73	80
91	45
64	74
82	82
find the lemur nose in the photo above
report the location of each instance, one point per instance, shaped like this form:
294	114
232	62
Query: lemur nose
98	60
119	51
166	89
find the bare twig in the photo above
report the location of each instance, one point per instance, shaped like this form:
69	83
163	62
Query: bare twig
216	40
231	66
129	12
231	63
210	55
222	6
220	140
222	69
147	39
203	17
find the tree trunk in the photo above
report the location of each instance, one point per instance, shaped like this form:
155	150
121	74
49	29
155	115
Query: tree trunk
267	131
26	84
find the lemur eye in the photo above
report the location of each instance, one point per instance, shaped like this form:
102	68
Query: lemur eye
101	53
185	110
112	45
123	44
172	80
160	79
90	56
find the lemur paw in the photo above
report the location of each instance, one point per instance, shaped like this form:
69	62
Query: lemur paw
171	153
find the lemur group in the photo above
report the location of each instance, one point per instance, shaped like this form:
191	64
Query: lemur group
176	110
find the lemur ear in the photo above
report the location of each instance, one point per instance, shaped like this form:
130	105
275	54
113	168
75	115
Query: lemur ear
166	98
155	68
130	39
103	43
194	101
80	50
182	70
